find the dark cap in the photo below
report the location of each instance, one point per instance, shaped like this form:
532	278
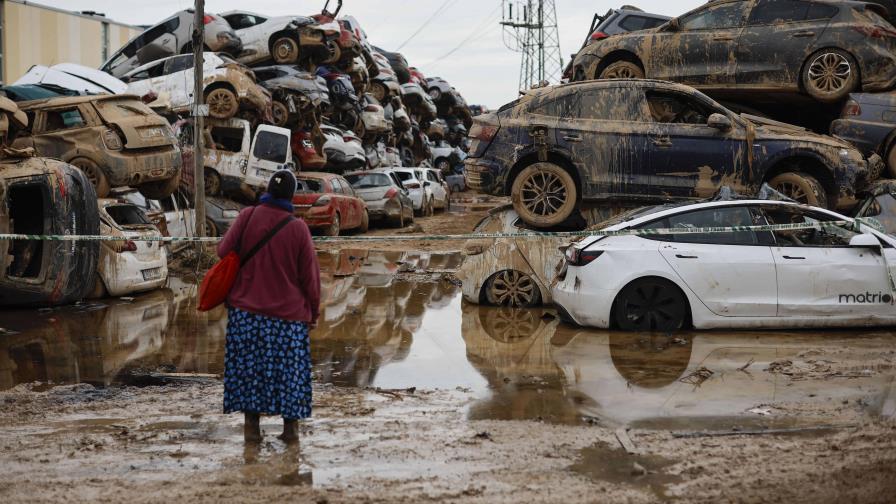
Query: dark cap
282	185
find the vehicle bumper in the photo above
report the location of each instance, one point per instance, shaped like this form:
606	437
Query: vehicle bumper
345	162
383	209
134	168
591	307
227	42
481	175
866	136
316	217
124	273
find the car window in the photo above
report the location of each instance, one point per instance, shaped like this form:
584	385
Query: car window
336	186
270	146
309	185
635	23
61	119
127	215
178	64
603	104
883	209
156	70
714	17
346	187
228	139
675	108
403	176
828	237
368	180
562	106
709	217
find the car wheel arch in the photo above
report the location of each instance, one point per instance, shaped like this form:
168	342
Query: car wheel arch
686	294
618	55
811	56
559	159
810	164
279	34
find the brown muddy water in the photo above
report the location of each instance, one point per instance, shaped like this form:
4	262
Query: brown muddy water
394	320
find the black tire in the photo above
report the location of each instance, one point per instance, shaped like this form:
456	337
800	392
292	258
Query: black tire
830	75
801	188
651	305
365	223
280	113
211	230
435	94
99	289
512	288
160	189
544	195
622	70
442	164
212	182
334	228
399	221
94	174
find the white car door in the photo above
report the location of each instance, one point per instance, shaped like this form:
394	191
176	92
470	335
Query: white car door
733	274
820	274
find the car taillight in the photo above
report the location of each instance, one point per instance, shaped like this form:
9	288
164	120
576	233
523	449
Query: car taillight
483	132
348	138
579	257
878	32
322	201
128	246
371	108
852	109
208	19
599	36
412	185
391	193
112	140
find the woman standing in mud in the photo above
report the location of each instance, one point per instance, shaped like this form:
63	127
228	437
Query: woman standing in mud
271	307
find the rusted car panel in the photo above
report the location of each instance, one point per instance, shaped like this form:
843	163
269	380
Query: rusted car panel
117	140
824	49
652	140
46	197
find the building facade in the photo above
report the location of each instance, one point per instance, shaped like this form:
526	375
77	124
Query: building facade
34	34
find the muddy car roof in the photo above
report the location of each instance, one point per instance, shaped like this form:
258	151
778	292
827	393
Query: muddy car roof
73	100
614	83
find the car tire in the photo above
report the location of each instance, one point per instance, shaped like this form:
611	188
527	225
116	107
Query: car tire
335	52
285	50
651	305
443	165
435	94
365	223
379	91
891	161
512	288
334	228
800	187
222	103
94	174
280	113
160	189
529	195
622	70
509	325
830	75
211	230
212	182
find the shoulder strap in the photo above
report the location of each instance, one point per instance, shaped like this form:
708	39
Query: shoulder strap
239	243
264	241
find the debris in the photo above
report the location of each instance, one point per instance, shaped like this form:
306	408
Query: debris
745	366
697	377
760	432
484	435
760	411
626	442
638	470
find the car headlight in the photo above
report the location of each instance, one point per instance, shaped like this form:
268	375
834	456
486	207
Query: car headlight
231	214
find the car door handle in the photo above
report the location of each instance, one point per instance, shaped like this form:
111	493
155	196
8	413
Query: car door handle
795	258
804	34
662	142
573	138
723	39
681	256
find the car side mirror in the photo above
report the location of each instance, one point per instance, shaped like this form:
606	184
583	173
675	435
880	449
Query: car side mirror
719	122
866	240
673	25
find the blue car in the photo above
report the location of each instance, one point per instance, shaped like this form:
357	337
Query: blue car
633	139
868	121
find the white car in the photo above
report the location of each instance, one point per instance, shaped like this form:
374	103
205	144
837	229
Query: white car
441	193
84	80
130	265
829	277
421	195
280	38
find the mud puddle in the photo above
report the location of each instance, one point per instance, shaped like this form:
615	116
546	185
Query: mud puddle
393	320
604	463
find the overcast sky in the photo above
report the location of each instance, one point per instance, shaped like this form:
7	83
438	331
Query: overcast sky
482	69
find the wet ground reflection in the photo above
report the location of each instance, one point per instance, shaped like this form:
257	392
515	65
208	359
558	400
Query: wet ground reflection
390	320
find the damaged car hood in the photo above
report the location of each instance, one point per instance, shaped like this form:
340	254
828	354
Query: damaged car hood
767	129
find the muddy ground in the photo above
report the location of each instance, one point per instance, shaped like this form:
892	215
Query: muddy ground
420	397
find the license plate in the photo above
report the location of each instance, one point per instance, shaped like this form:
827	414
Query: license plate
148	133
152	274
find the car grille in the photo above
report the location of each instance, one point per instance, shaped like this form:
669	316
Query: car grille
474	180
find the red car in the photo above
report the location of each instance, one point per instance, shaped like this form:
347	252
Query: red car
328	203
307	153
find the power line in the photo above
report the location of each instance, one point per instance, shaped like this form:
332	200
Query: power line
473	35
426	23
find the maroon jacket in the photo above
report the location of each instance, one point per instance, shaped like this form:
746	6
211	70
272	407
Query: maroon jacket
283	279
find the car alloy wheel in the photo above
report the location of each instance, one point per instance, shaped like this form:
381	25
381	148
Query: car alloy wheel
509	325
210	229
512	288
379	91
622	70
280	113
801	188
94	174
651	304
334	228
830	76
285	50
222	103
544	195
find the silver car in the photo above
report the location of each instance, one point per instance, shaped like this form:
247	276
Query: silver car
441	192
387	200
172	36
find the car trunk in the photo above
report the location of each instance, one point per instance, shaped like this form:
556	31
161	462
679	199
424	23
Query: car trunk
133	225
485	128
372	193
139	126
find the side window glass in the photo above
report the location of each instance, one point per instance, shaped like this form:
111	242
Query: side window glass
336	186
564	106
828	237
63	119
729	15
778	11
715	217
271	147
671	108
821	11
178	64
635	23
883	208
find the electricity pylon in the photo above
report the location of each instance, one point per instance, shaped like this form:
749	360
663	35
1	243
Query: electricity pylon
530	27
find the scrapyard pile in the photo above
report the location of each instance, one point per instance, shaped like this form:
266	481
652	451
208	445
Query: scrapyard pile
308	93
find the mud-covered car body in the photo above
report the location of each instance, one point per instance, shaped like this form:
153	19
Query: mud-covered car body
418	101
343	149
868	121
373	117
117	140
328	202
642	139
40	196
384	84
758	45
385	196
171	81
879	207
281	38
131	265
78	78
294	91
398	63
172	36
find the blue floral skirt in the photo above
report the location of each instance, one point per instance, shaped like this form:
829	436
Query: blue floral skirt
267	366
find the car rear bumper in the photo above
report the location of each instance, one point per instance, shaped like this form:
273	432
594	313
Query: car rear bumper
126	274
582	307
481	175
384	209
135	167
866	136
316	217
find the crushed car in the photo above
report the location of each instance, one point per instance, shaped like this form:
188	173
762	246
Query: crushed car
283	39
640	139
228	86
41	196
115	140
823	49
868	121
295	93
78	78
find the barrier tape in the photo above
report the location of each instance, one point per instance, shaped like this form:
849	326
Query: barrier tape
471	236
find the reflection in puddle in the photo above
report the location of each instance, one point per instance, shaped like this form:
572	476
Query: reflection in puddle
382	327
602	463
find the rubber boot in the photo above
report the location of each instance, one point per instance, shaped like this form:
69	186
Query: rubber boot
290	431
252	428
